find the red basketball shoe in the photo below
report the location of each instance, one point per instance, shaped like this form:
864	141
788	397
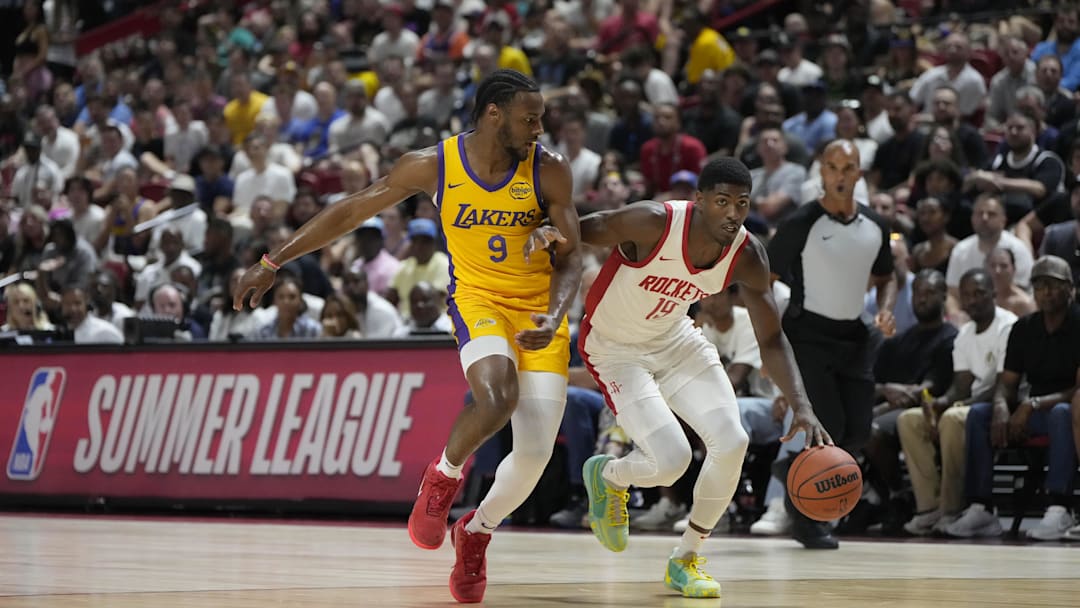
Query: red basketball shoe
468	579
427	523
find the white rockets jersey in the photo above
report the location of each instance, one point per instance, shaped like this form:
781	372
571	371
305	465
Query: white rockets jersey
635	302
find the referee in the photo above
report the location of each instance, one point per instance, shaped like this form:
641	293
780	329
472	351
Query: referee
825	251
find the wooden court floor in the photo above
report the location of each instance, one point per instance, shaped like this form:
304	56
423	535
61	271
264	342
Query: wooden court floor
164	563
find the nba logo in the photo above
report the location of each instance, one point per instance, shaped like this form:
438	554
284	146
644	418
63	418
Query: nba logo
36	424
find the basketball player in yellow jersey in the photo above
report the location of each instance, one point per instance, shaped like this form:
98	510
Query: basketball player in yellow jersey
493	186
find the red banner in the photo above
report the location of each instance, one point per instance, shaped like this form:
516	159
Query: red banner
236	424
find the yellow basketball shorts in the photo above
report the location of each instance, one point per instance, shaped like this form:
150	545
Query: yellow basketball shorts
485	326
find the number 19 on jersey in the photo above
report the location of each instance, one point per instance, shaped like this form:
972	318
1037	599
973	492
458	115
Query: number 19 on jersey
663	308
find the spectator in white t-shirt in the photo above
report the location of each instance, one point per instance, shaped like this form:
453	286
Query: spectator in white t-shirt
279	153
584	163
389	100
659	88
955	72
978	357
438	102
728	327
58	143
362	124
103	295
184	142
264	178
427	312
87	328
988	223
190	220
377	317
173	255
87	218
394	40
797	70
38	178
777	184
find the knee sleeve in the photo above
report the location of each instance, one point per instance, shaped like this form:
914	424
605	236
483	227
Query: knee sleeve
535	425
658	459
538	416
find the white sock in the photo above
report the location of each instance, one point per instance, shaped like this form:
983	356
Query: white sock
691	542
453	471
480	524
609	474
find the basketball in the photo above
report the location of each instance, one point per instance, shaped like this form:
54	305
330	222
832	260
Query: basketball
824	483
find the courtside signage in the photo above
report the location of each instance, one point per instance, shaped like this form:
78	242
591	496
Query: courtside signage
290	425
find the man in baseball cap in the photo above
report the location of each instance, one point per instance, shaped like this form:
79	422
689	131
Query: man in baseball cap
424	264
1052	267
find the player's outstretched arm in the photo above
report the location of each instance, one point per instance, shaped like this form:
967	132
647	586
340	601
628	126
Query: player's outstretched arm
641	223
556	183
414	172
752	274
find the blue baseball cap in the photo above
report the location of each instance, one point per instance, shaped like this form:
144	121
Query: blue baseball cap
422	227
374	223
684	177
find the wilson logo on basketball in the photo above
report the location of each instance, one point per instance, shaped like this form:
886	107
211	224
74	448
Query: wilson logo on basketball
835	482
520	190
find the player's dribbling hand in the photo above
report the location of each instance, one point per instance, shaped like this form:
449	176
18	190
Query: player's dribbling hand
256	278
536	339
542	238
804	420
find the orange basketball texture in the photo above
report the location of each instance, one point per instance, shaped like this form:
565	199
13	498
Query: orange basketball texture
824	483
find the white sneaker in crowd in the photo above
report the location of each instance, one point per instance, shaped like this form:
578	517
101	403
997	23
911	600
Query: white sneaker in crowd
1055	523
1072	533
775	521
975	521
661	516
923	523
945	521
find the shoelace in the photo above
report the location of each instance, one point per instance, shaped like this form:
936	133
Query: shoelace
617	514
442	492
693	566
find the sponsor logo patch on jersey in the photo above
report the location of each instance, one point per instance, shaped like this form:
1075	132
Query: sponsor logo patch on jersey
520	190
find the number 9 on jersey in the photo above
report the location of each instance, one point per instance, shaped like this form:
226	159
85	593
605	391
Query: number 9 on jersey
497	245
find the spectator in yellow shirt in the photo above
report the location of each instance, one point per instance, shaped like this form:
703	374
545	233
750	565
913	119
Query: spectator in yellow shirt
240	113
424	264
708	49
496	31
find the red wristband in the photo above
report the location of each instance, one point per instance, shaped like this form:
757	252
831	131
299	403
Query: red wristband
269	264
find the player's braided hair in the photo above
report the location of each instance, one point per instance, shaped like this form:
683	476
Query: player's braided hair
499	88
723	170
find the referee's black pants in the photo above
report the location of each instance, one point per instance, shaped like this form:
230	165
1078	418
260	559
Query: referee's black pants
836	359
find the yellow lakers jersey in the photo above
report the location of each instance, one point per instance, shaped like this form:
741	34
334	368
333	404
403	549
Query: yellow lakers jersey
487	225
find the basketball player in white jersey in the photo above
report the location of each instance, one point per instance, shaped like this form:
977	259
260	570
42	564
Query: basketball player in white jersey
652	364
